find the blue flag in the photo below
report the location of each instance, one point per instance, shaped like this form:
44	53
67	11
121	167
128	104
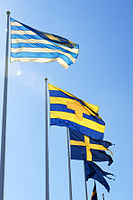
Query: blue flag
86	148
95	172
31	45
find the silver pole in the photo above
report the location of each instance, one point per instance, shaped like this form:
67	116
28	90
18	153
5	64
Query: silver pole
4	117
86	193
69	165
46	143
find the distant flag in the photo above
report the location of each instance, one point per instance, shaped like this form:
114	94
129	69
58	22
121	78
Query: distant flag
95	172
86	148
94	193
31	45
70	111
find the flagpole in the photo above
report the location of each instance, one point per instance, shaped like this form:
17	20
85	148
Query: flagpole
46	143
69	165
103	196
86	193
3	135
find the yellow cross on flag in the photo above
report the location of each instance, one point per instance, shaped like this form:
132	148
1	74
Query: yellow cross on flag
72	112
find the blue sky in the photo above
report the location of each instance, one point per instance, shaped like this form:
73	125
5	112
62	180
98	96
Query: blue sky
102	75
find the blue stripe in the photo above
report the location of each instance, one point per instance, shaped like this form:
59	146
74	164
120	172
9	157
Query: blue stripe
40	45
26	36
57	93
81	129
60	107
41	55
18	28
37	37
63	108
12	20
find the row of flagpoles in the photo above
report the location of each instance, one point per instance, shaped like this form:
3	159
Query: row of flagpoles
65	53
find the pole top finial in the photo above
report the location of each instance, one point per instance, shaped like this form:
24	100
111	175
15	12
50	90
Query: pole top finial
8	12
103	195
46	79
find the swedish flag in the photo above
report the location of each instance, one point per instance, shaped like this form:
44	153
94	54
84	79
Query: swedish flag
86	148
70	111
31	45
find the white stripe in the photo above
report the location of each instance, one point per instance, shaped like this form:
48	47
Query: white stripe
33	41
20	32
43	50
16	24
41	60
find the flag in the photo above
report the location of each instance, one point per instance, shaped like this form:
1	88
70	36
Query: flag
94	193
31	45
95	172
86	148
70	111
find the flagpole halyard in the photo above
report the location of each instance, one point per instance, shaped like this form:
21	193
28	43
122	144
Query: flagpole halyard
69	165
46	143
4	115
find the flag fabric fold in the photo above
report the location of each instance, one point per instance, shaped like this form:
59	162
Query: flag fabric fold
86	148
31	45
95	172
72	112
94	193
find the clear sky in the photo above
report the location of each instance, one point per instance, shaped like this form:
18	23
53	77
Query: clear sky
102	75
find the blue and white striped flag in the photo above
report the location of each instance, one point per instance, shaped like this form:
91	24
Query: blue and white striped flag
31	45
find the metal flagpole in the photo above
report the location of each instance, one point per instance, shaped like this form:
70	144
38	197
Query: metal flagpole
69	165
103	196
86	193
46	143
3	136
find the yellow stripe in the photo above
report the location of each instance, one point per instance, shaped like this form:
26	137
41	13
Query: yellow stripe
43	50
88	152
98	147
93	194
92	106
60	100
51	37
41	60
62	62
73	50
16	24
64	101
71	117
89	145
77	143
20	32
